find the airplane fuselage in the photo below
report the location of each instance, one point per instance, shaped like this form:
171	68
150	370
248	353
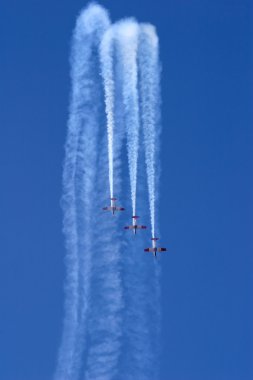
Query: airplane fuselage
134	229
134	226
113	206
154	247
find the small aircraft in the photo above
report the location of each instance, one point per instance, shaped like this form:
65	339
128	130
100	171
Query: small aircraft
113	206
154	248
134	226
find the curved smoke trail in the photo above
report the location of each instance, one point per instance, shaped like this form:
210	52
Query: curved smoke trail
78	185
126	33
150	108
112	290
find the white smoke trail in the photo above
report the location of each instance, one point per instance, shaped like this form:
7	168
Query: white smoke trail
106	61
126	34
112	305
150	108
139	358
105	317
95	23
78	186
149	72
105	320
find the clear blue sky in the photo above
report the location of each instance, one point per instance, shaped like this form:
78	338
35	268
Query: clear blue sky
206	187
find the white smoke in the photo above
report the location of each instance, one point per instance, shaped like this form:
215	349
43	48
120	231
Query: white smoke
112	289
106	59
150	108
105	316
78	186
126	34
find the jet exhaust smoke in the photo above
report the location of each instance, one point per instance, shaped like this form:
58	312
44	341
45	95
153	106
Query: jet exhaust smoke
106	60
78	186
150	108
127	46
112	290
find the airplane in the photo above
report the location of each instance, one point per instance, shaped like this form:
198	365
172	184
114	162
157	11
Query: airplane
134	226
113	206
154	248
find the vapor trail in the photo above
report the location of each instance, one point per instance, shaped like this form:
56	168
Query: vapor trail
149	74
126	33
140	318
78	186
112	291
105	317
150	108
106	61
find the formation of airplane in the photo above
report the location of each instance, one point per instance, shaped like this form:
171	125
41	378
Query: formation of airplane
134	227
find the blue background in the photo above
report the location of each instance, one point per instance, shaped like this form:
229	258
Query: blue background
206	184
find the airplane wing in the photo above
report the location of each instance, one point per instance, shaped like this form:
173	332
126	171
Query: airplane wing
149	250
107	208
141	227
161	249
129	227
119	208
